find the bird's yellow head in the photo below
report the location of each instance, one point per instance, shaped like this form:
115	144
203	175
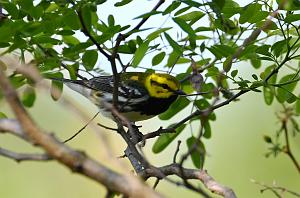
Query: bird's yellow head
161	85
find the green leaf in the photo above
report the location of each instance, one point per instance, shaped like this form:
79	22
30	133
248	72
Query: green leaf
230	8
165	139
268	95
192	3
87	17
71	40
26	4
98	2
36	12
192	16
174	108
185	27
156	33
264	50
171	7
11	8
255	61
158	58
28	97
234	73
284	92
45	39
227	25
292	17
177	48
198	153
279	47
221	51
71	19
148	14
201	104
17	81
122	3
227	64
89	59
248	14
182	10
111	20
2	115
207	130
289	4
140	53
267	71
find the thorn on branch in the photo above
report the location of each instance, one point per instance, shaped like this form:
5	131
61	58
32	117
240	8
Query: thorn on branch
177	151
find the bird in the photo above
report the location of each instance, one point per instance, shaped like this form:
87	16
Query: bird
141	95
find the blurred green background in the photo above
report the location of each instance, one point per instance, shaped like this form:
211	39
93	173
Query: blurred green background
235	151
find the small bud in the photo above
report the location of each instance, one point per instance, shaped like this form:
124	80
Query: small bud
267	139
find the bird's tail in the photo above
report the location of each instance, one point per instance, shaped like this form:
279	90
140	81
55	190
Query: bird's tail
80	86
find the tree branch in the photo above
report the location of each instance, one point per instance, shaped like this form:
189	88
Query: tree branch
201	175
76	161
287	148
18	157
194	114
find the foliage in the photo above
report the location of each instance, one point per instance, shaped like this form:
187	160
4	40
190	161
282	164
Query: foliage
207	57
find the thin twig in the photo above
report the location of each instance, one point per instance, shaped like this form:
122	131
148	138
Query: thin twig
287	148
156	183
80	130
106	127
18	157
176	151
274	188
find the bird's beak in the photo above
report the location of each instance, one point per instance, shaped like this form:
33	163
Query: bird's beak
179	92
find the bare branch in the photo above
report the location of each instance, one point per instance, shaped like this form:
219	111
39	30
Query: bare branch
76	161
13	127
24	156
194	114
287	148
274	188
201	175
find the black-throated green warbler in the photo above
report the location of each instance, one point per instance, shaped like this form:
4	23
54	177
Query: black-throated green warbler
140	95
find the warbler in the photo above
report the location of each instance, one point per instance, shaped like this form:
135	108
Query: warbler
141	95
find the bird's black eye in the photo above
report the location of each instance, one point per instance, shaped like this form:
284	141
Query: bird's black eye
165	86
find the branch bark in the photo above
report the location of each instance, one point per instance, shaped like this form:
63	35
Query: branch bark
201	175
76	161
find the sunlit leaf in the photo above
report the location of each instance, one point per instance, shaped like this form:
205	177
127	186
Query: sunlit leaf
140	53
172	7
173	44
